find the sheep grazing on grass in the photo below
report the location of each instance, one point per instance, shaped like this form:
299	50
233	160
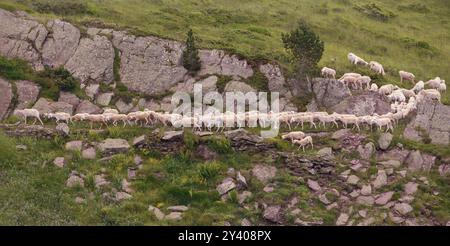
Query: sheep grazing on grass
356	60
381	122
59	116
347	119
406	76
328	72
325	118
356	75
298	135
377	68
363	81
429	93
418	86
304	142
435	83
29	113
78	117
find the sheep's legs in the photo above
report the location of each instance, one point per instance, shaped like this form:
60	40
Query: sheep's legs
39	118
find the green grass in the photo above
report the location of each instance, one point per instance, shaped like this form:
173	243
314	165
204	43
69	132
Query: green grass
395	33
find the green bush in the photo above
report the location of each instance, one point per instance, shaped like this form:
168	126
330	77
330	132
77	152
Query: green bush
61	7
222	81
63	78
220	145
208	172
191	60
8	152
258	81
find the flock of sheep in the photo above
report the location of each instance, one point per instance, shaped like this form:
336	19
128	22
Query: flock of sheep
403	102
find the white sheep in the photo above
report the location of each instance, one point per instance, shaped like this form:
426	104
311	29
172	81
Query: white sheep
356	60
96	118
383	121
434	83
304	142
429	93
406	76
356	75
328	72
363	81
29	113
349	119
397	95
387	89
418	86
408	93
374	87
442	86
110	111
59	116
376	67
350	81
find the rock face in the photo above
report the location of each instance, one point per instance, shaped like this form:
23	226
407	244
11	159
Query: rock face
276	80
217	62
61	45
237	86
44	105
27	93
432	120
21	38
69	98
329	92
366	103
5	99
93	60
148	64
88	107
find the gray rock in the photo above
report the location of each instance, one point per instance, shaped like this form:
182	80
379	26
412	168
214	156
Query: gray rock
366	151
172	135
217	62
178	208
390	164
104	99
63	128
237	86
275	79
415	161
385	140
149	64
74	145
61	45
87	107
93	60
342	219
89	154
244	196
366	190
59	162
114	146
384	198
329	92
137	141
27	93
5	99
380	180
366	103
264	173
209	84
124	107
273	214
226	186
352	179
92	90
241	180
325	152
69	98
339	134
74	180
403	208
313	185
428	162
120	196
246	222
205	153
46	106
101	181
411	188
174	216
158	214
365	200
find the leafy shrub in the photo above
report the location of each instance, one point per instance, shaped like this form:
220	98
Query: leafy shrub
222	81
209	171
14	69
220	145
258	81
61	7
191	60
63	78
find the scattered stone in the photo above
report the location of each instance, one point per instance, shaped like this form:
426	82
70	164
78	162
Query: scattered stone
63	128
122	196
366	151
126	186
444	169
396	219
366	190
313	185
339	134
138	141
402	173
226	186
21	147
74	145
74	180
353	179
27	93
246	222
268	189
384	198
89	154
132	172
406	199
385	140
79	200
332	206
87	107
380	180
172	135
273	214
342	219
59	162
104	98
178	208
244	196
411	188
92	90
114	146
355	193
100	181
325	152
323	198
390	163
414	161
365	200
205	153
264	173
363	213
403	208
158	213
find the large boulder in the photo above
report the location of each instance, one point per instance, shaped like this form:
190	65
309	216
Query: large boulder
217	62
5	99
88	107
93	60
431	121
275	78
237	86
366	103
61	44
149	65
113	146
21	38
27	93
69	98
329	92
44	105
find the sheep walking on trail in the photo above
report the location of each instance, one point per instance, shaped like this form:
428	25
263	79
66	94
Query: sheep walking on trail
304	142
59	116
406	76
328	72
298	135
29	113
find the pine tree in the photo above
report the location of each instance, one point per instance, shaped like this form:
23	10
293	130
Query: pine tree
191	60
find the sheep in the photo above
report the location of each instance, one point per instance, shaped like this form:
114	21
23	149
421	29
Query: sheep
406	76
356	60
304	142
59	116
418	86
93	118
383	121
356	75
349	119
374	87
305	117
429	93
377	67
29	112
442	86
328	119
363	80
408	93
297	135
397	95
349	80
78	117
328	72
116	117
387	89
434	83
110	111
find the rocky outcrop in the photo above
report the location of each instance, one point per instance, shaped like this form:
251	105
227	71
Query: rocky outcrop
5	99
44	105
237	86
148	64
217	62
275	78
69	98
366	103
88	107
93	60
432	120
27	93
329	92
61	44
